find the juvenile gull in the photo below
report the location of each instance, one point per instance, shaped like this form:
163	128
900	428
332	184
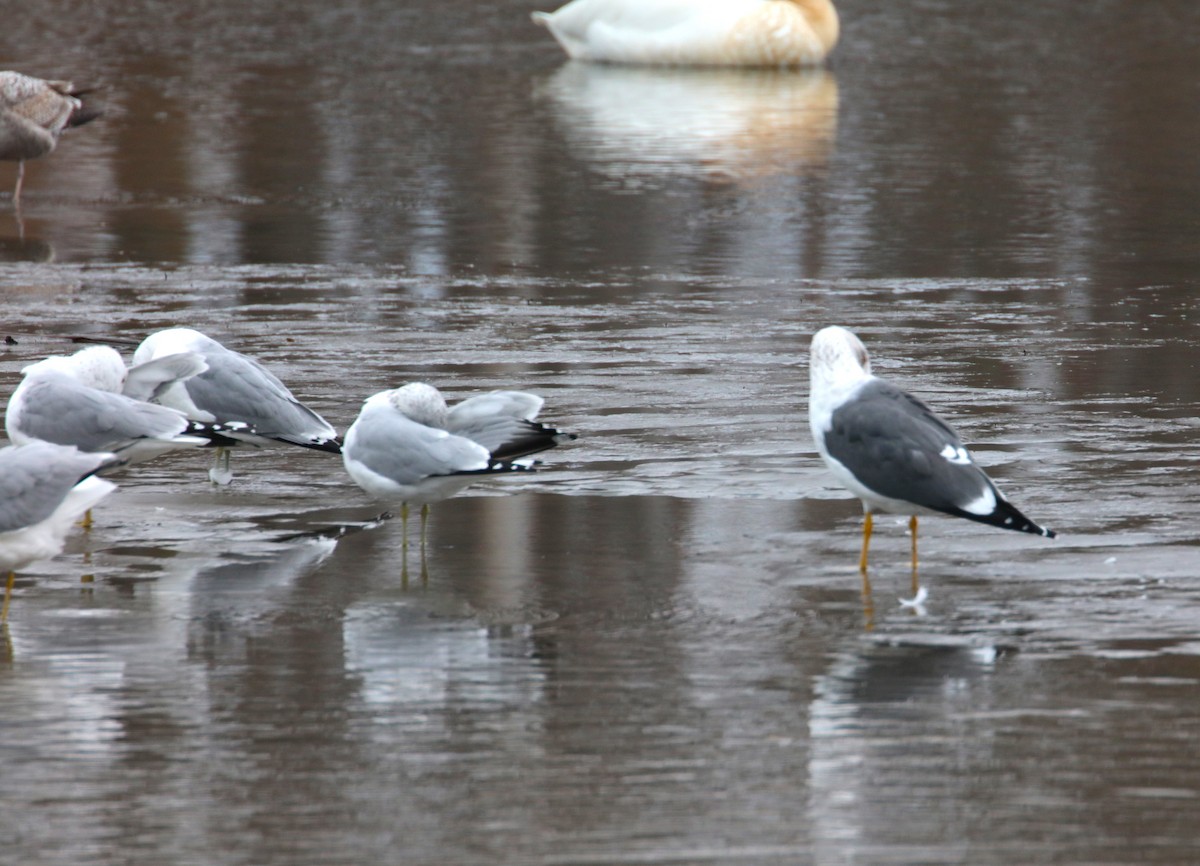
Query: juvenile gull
891	451
235	388
695	32
408	447
33	114
73	400
44	489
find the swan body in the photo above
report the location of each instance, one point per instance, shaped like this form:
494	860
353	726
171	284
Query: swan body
696	32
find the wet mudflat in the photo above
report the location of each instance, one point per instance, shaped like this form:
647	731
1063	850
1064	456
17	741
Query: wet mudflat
655	650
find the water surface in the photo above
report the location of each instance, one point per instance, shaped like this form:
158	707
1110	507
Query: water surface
654	650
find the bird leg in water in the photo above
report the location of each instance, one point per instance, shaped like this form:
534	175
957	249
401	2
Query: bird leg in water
868	605
220	472
20	183
404	545
12	576
912	527
868	523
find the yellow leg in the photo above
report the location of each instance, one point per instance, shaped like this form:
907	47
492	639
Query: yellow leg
868	524
424	563
86	523
868	602
7	596
404	545
912	528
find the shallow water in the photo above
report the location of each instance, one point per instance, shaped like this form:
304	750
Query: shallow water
655	649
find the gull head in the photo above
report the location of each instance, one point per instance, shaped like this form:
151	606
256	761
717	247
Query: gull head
418	402
837	358
98	367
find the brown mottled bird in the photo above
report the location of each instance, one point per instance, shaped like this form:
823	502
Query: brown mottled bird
33	113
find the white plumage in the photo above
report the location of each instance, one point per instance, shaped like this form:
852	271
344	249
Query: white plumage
77	400
231	388
44	489
696	32
409	448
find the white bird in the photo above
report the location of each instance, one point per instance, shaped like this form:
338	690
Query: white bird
235	388
76	400
696	32
408	447
33	114
44	489
891	451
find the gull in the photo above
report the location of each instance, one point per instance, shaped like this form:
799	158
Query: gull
44	488
235	388
891	451
75	400
33	114
408	447
696	32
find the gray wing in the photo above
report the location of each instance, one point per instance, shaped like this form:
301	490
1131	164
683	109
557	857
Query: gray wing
238	388
502	422
56	408
896	446
35	478
406	452
147	382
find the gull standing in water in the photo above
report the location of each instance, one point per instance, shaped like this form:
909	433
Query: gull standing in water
891	451
75	400
33	114
236	388
408	447
44	489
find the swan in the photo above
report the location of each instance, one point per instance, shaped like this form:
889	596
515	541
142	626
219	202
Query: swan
696	32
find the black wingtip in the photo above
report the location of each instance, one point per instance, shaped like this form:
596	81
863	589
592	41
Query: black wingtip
1006	516
329	446
218	434
536	438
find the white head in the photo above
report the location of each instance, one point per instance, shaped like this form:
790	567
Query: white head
418	402
838	365
99	367
837	358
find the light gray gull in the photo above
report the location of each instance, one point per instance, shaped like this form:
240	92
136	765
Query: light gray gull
74	400
44	489
891	451
236	388
408	447
33	114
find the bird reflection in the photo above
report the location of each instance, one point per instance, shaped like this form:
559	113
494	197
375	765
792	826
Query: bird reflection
23	248
734	123
898	710
335	531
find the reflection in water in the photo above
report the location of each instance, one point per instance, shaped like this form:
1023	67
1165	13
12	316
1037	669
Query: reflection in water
23	248
411	659
881	707
738	124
